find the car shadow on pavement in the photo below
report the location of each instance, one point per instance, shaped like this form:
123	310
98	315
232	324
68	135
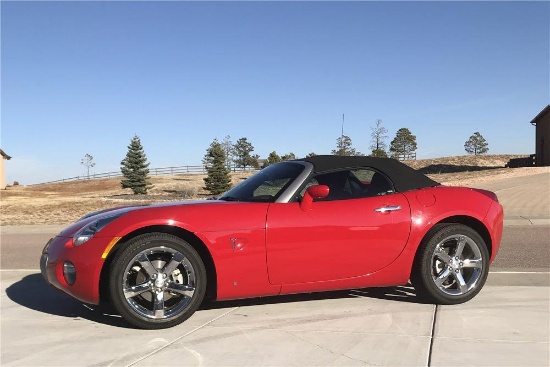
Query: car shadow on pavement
404	293
34	293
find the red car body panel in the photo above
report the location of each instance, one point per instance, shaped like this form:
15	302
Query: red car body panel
451	202
304	247
261	249
241	273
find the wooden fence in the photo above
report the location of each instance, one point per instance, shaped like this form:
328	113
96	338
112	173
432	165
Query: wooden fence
152	171
405	157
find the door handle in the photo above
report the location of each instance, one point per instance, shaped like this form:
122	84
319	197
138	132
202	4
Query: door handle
386	209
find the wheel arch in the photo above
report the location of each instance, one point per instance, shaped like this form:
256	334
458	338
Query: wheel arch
471	222
418	270
191	238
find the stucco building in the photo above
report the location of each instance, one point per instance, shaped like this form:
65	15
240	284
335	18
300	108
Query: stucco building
542	133
2	171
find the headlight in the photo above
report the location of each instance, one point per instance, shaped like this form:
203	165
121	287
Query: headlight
89	230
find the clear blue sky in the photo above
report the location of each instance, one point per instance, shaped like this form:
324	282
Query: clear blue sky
84	77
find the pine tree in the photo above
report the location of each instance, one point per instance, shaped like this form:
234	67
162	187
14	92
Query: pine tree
404	143
288	157
134	168
272	158
256	161
343	146
379	153
242	156
476	144
218	179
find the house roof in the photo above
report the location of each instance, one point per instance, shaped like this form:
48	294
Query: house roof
4	155
544	111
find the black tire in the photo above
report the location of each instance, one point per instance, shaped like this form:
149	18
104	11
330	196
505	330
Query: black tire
443	273
157	281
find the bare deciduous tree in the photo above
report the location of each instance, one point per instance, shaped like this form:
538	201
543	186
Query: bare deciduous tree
88	162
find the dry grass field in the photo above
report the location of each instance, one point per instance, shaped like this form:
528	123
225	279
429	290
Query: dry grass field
63	203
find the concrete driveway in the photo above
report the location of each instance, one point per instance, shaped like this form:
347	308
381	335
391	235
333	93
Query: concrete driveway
503	325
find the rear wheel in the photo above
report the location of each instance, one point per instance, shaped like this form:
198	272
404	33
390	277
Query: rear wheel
451	265
157	281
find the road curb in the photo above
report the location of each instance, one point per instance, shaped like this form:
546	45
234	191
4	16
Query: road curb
519	278
524	221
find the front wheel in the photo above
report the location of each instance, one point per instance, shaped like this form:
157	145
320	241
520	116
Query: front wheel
451	266
157	281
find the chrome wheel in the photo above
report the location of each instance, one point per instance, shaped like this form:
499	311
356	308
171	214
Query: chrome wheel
457	265
451	264
159	282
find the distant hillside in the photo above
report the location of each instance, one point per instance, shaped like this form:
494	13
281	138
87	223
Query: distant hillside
463	163
65	202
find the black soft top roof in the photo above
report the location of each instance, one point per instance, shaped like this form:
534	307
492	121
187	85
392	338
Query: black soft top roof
404	178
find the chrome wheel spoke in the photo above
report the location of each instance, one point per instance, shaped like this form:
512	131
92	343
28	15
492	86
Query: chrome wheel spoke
177	258
460	246
146	265
183	289
442	255
461	283
473	263
136	290
158	306
441	278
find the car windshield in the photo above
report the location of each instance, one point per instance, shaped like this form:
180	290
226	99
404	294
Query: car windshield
266	185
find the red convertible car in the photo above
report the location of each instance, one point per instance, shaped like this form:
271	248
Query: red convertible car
307	225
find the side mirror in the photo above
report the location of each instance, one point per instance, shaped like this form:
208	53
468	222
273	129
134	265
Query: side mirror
312	193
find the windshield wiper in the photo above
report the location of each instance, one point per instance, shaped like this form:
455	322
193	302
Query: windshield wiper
229	198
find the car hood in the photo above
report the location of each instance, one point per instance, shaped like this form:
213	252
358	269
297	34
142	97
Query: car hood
125	210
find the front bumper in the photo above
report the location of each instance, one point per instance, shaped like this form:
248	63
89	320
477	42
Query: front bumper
85	259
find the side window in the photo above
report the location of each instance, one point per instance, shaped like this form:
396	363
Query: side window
352	184
375	183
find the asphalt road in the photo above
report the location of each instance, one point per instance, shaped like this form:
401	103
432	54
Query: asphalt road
523	247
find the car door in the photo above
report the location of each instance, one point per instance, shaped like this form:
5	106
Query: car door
352	232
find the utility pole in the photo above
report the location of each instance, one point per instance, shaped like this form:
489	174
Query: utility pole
342	136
